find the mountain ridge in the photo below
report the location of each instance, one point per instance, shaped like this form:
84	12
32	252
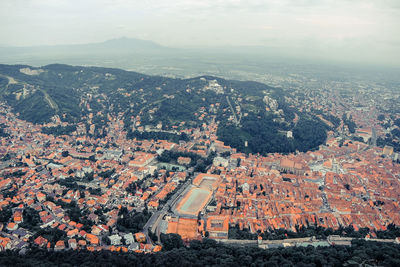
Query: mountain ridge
120	40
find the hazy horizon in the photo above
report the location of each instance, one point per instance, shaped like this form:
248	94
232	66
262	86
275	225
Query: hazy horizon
349	31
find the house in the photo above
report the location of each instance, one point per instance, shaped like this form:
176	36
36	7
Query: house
40	241
12	226
287	165
72	233
184	160
20	245
96	230
72	244
387	150
5	243
129	239
141	159
157	248
18	218
140	237
60	245
115	240
40	197
82	233
148	247
153	204
220	161
111	222
4	183
82	243
218	226
21	234
94	240
134	246
47	221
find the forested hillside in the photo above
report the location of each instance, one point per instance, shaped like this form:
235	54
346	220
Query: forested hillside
210	253
252	117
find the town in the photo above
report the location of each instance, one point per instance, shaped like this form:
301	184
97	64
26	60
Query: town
80	192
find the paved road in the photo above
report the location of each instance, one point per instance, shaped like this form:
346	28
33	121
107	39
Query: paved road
157	215
331	240
233	111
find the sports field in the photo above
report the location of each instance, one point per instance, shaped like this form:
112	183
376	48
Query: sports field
194	201
207	182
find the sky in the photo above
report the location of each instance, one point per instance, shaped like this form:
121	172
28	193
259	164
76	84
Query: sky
362	30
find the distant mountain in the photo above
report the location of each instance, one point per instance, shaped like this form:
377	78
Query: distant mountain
130	43
252	116
120	45
126	53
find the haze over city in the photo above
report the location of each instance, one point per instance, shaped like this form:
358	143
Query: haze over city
355	31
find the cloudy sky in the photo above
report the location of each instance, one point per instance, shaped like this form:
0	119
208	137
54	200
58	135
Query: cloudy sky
365	30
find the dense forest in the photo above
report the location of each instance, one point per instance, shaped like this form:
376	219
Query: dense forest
350	123
132	222
388	141
210	253
2	132
59	130
263	135
391	138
